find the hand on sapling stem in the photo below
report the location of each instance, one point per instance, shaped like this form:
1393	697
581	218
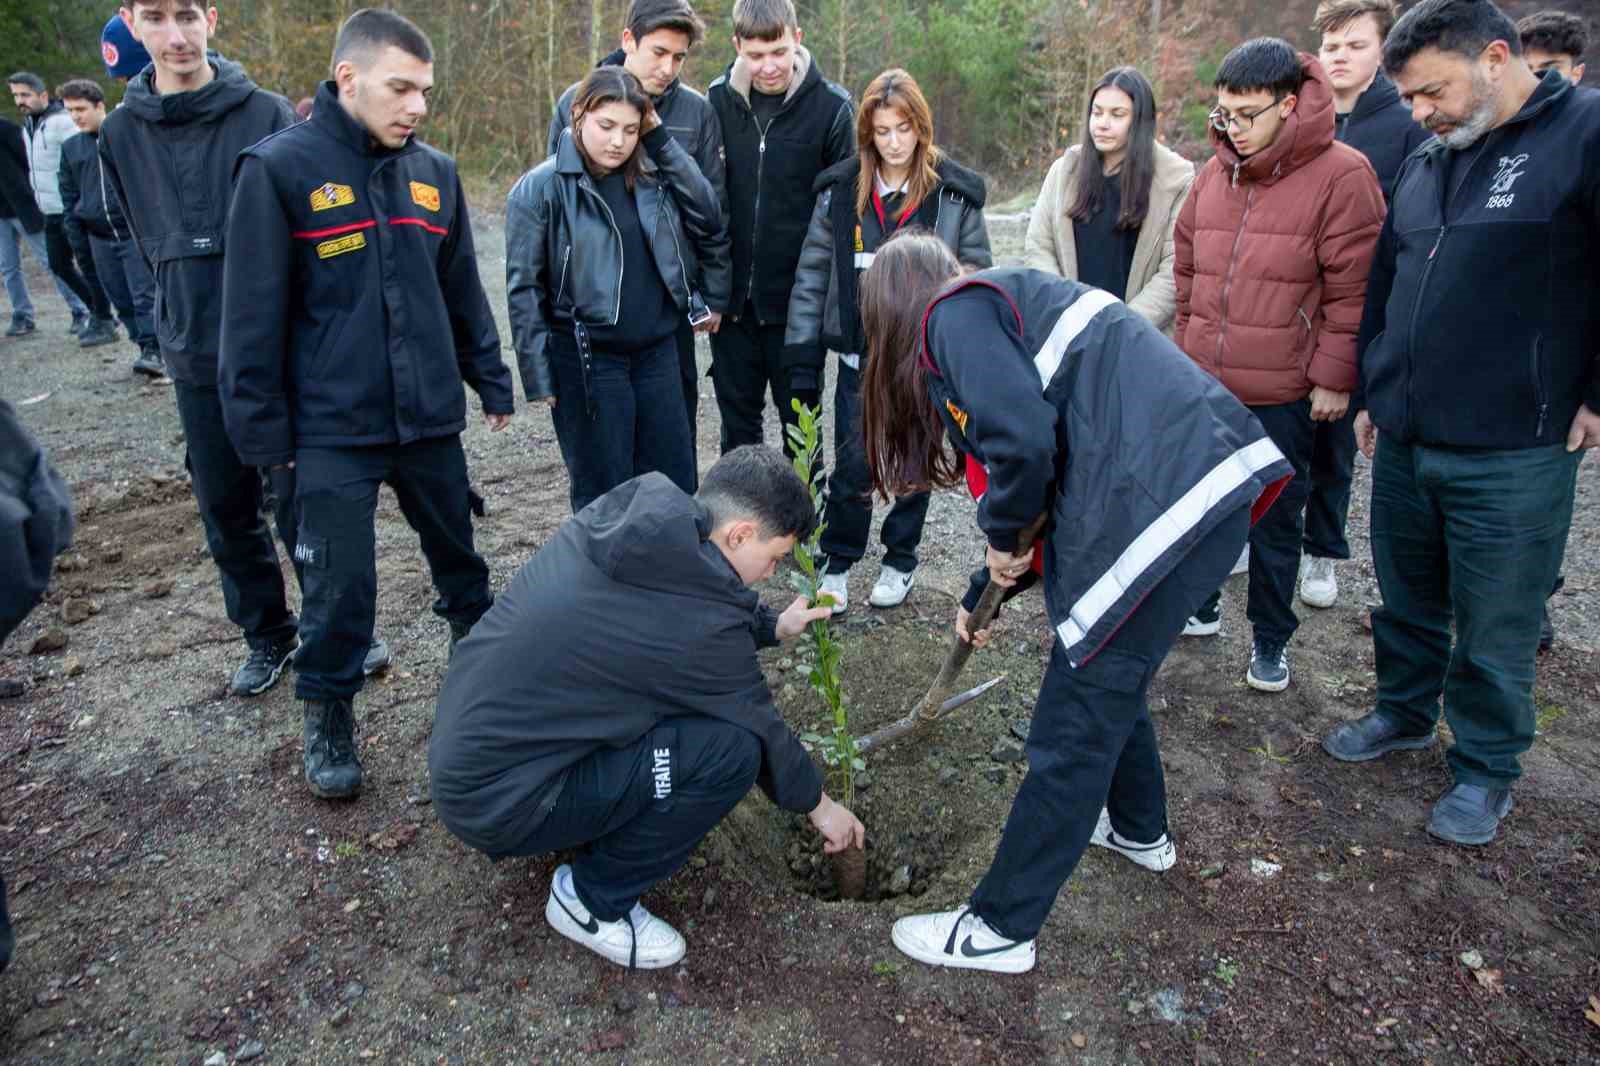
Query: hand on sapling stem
980	639
839	828
795	617
1005	568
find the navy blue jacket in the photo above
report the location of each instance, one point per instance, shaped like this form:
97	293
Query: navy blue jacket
170	160
1380	128
1078	407
1482	320
352	307
87	199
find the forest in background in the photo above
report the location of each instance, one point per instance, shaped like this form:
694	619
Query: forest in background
1007	79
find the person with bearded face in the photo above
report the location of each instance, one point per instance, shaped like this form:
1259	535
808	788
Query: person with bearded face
1479	390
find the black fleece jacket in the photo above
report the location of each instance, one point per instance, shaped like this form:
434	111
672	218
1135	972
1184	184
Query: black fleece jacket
627	617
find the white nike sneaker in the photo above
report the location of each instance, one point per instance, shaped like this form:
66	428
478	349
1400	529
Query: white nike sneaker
1319	585
962	940
1158	856
892	586
639	941
837	586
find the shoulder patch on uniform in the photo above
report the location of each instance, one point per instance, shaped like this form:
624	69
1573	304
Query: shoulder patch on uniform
350	242
425	195
958	414
328	195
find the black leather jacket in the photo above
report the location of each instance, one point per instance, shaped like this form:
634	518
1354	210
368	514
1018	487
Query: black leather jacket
564	256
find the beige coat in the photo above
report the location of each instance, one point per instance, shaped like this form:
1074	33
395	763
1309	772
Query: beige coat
1052	247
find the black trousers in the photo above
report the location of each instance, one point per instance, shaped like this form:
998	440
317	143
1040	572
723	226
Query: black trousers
637	812
229	497
336	497
746	364
849	510
689	372
1275	539
1333	460
74	266
1092	744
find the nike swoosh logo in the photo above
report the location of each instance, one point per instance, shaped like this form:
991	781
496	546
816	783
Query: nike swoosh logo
971	952
592	926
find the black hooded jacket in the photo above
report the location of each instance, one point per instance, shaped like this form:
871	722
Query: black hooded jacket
629	616
170	159
1482	325
770	176
1380	128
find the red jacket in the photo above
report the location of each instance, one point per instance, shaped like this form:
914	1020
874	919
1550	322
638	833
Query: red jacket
1272	255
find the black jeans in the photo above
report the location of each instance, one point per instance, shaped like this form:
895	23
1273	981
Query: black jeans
229	497
849	511
689	373
1092	744
1333	460
336	497
638	424
637	812
74	266
1466	544
129	286
1275	538
747	363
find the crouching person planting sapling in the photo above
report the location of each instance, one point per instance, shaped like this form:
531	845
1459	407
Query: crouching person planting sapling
611	701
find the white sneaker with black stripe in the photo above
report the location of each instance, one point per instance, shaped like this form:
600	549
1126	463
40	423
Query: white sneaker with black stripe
639	941
962	940
1158	856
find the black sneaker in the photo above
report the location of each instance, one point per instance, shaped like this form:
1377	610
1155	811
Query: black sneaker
20	326
99	331
333	771
1469	814
80	322
1547	630
150	362
377	659
1269	667
1372	736
265	665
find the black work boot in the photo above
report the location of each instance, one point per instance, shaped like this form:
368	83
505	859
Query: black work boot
332	769
150	362
98	331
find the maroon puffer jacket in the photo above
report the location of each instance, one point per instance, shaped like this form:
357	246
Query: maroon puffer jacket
1272	255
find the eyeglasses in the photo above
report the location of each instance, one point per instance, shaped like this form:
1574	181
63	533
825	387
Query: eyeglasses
1223	122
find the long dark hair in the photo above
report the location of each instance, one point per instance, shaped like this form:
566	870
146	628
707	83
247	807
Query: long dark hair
905	438
608	85
1138	162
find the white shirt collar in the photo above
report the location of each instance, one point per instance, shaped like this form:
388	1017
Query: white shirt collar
884	188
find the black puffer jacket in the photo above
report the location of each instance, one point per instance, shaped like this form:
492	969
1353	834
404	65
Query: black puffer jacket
87	198
824	313
564	256
170	160
771	173
631	579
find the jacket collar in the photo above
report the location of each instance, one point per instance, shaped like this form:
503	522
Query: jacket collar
952	176
1306	134
329	115
1379	96
805	72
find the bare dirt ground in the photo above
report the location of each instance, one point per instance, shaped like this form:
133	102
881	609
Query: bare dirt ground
180	898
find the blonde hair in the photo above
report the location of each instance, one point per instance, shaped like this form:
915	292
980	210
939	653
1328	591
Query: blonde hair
899	90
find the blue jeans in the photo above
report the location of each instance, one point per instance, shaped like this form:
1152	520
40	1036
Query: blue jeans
11	269
1470	538
639	424
129	286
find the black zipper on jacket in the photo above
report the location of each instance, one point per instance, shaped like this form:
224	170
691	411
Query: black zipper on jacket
1445	196
755	211
105	204
622	261
1539	393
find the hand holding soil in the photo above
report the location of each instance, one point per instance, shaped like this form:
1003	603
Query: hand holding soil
839	828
